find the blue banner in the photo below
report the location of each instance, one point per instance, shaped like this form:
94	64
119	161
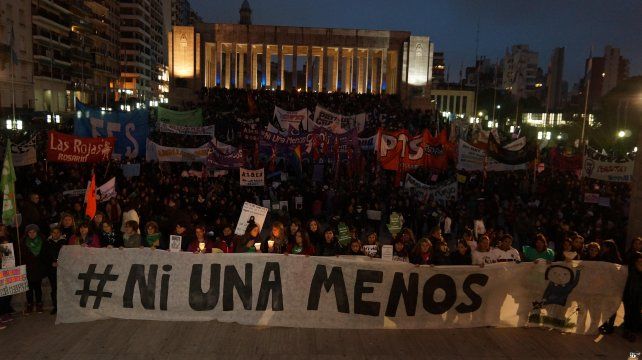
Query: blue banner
129	128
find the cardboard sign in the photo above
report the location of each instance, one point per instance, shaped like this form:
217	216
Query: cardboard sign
373	215
252	177
395	223
13	281
370	250
250	213
344	234
175	242
480	228
604	201
266	203
8	256
386	252
284	205
298	202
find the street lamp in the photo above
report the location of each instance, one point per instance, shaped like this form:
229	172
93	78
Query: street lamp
13	125
621	134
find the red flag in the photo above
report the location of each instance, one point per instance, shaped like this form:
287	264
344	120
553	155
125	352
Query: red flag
90	198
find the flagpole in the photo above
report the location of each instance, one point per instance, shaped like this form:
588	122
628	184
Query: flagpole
13	86
586	103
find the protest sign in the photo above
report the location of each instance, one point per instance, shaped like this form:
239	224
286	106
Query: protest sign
394	226
284	206
13	280
8	256
373	215
291	119
186	130
608	170
252	177
604	201
386	252
74	192
471	158
175	242
181	118
298	202
107	190
591	198
370	250
250	213
330	292
67	148
156	152
344	234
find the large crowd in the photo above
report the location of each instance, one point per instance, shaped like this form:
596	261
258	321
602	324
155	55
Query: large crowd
527	215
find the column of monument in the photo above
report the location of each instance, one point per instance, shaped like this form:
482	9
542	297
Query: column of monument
295	55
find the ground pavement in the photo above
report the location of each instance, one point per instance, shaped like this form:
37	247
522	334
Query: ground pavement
36	337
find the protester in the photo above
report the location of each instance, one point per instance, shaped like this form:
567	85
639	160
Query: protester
462	254
249	239
422	253
631	253
5	301
67	225
482	254
131	236
84	238
592	252
109	238
152	235
632	299
539	251
227	241
399	252
315	233
31	250
329	246
566	253
372	247
441	253
200	244
354	248
277	238
301	245
50	252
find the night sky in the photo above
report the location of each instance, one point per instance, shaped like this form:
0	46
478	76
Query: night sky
452	24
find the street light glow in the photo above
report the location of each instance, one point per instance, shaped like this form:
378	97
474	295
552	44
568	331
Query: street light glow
621	134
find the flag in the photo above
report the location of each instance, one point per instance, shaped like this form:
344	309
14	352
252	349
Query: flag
90	198
297	155
512	157
7	183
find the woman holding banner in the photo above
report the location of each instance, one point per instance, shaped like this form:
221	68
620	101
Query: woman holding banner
422	253
329	246
301	245
249	241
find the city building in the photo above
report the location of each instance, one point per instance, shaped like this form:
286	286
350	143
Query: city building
605	73
16	17
347	60
438	69
520	72
182	13
555	80
458	103
105	46
81	38
52	50
142	51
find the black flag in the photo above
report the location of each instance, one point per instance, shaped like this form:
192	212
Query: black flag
510	157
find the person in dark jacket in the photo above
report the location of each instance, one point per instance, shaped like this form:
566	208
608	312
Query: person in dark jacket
329	246
355	248
227	242
5	301
50	252
31	211
632	299
441	254
247	242
31	251
632	253
109	238
462	255
422	253
315	233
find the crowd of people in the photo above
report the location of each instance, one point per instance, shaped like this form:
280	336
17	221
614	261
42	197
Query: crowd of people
527	216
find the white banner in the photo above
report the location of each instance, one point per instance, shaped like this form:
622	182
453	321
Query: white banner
107	190
471	158
608	171
23	154
8	256
441	194
516	145
161	153
252	177
13	280
330	120
330	292
250	213
288	119
186	130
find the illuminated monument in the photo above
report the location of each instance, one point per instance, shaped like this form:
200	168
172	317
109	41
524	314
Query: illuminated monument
307	59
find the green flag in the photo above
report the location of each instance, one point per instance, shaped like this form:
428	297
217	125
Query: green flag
8	188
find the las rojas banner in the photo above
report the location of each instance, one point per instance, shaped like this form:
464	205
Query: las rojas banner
130	128
607	170
67	148
331	292
182	118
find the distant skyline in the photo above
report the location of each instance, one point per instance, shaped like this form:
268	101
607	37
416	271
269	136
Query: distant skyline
452	25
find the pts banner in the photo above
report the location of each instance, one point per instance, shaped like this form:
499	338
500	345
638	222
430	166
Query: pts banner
299	291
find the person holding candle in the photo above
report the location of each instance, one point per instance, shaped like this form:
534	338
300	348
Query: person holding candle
249	240
277	242
201	244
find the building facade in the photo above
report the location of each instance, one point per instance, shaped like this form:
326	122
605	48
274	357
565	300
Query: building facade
604	73
555	80
317	59
16	17
458	103
439	69
520	72
142	51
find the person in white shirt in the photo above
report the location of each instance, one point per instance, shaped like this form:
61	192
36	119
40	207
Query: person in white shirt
482	254
504	252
